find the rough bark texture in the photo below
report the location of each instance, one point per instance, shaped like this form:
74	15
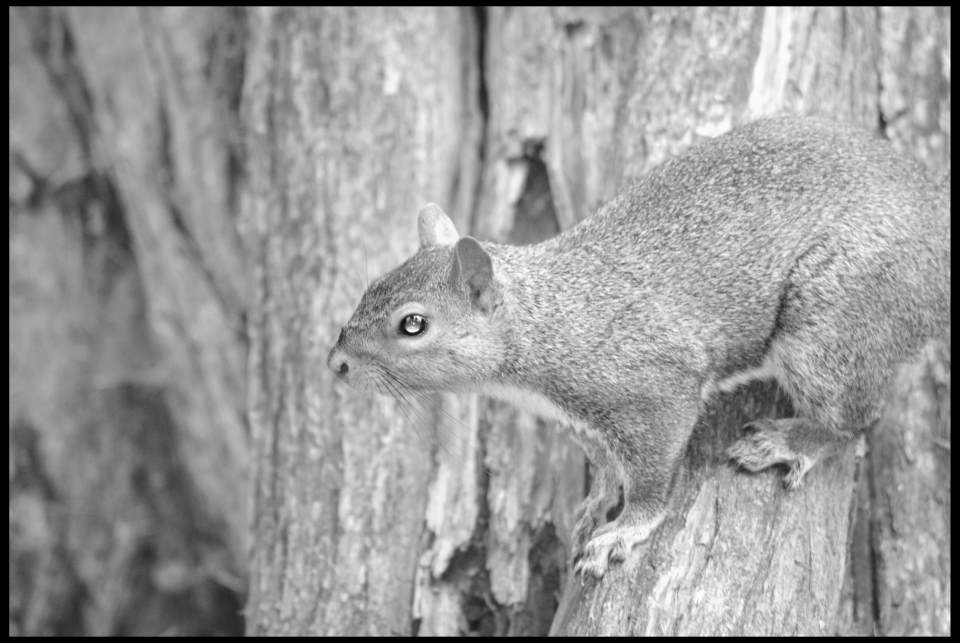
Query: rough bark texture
198	198
357	117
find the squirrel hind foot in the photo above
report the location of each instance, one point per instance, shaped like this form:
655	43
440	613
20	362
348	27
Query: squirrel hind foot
763	446
769	443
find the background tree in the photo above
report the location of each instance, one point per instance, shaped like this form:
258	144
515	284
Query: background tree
198	198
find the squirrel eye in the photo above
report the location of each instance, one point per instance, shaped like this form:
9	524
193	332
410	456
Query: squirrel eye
413	324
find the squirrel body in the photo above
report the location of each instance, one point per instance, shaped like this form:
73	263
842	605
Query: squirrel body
792	248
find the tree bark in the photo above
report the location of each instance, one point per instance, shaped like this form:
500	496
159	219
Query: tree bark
200	196
356	118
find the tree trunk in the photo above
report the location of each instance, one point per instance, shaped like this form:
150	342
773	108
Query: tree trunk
200	196
129	476
356	117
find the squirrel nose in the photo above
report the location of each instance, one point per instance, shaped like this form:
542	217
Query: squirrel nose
337	361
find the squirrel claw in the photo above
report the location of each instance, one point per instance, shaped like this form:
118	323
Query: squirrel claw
793	479
592	513
599	552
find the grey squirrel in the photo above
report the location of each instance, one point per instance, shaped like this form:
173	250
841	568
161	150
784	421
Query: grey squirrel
791	248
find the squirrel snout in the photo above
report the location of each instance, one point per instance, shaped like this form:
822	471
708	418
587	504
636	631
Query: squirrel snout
337	361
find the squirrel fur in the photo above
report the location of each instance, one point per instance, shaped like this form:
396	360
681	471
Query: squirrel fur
791	247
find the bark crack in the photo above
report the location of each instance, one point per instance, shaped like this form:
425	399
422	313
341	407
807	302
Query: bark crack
873	537
881	119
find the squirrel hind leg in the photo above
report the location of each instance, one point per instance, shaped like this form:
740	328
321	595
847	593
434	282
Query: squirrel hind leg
833	362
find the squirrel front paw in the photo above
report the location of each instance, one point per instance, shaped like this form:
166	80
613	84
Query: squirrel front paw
591	514
612	542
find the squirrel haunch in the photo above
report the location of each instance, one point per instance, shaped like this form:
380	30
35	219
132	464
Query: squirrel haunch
792	248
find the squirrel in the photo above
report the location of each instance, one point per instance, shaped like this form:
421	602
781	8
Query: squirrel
791	248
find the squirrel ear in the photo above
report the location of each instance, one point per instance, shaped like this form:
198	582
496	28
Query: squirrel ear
435	227
473	274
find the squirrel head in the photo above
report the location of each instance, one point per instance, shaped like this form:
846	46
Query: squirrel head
434	323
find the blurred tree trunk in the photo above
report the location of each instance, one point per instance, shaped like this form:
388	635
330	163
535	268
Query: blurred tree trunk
129	508
199	197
